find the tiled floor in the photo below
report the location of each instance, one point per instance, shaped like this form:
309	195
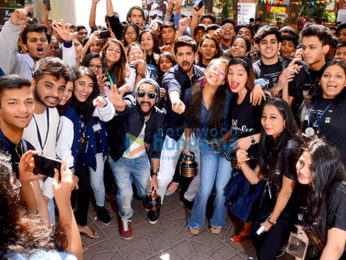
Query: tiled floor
169	237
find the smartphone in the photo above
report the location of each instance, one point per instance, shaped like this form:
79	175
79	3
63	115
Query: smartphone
47	3
46	165
201	3
104	34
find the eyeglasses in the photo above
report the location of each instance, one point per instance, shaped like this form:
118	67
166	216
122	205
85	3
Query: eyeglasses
93	66
138	53
151	95
131	34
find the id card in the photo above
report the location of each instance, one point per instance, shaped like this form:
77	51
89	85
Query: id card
296	246
97	127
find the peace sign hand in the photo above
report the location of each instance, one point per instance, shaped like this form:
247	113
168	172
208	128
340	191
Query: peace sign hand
116	98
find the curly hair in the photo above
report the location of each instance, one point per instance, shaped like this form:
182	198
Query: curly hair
21	231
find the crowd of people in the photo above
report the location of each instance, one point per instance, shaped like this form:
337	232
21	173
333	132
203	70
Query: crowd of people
260	108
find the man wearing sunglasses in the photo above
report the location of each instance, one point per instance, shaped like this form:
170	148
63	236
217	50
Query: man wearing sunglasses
135	145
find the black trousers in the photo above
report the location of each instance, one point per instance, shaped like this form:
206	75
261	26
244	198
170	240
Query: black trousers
268	244
81	197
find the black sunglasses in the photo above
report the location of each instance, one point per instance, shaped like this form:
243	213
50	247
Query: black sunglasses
151	95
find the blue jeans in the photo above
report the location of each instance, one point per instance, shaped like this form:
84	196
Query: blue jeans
214	169
96	180
124	171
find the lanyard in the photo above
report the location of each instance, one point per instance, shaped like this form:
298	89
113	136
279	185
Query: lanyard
319	119
110	78
38	131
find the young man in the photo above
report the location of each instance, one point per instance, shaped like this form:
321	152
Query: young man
340	52
36	43
289	43
168	33
82	32
136	144
315	46
228	32
48	85
136	16
16	110
341	32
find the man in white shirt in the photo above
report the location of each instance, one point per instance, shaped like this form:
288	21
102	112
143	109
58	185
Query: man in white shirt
48	86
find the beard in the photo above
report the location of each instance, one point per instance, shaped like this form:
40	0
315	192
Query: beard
38	98
142	112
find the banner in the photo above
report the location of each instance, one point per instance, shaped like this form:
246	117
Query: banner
245	12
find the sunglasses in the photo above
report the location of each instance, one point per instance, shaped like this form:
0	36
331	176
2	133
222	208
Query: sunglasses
151	95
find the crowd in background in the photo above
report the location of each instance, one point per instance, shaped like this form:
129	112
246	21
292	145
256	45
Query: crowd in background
261	109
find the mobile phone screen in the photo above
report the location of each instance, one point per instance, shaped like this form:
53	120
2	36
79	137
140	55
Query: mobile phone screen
46	166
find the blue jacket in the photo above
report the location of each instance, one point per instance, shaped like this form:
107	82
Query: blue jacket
87	151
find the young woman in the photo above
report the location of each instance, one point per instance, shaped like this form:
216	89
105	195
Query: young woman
82	141
115	62
131	33
66	99
323	225
28	236
207	108
240	46
78	46
139	69
166	61
149	41
208	50
277	155
324	115
245	122
93	45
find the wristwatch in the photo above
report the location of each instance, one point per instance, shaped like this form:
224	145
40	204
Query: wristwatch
252	140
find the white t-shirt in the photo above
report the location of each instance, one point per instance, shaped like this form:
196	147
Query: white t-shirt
30	134
137	145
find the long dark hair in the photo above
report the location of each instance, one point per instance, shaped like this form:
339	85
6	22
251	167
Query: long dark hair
125	29
247	65
21	231
209	37
155	40
160	73
271	151
327	172
317	93
193	110
86	109
117	70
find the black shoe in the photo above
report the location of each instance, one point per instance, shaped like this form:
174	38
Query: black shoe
153	216
188	204
146	203
103	215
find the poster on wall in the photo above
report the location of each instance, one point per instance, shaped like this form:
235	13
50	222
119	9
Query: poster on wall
245	12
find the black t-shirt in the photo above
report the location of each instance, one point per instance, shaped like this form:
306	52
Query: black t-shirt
14	150
271	72
333	124
244	120
336	207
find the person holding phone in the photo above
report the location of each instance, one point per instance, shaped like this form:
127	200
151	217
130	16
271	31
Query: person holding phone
25	235
140	125
274	211
323	207
82	140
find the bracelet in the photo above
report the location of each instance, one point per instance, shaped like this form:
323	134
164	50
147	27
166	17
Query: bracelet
152	173
271	223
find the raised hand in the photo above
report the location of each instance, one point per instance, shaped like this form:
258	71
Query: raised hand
100	102
184	23
20	16
178	106
196	11
116	98
64	31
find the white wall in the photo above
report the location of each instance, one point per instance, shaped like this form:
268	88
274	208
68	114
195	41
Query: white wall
77	11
